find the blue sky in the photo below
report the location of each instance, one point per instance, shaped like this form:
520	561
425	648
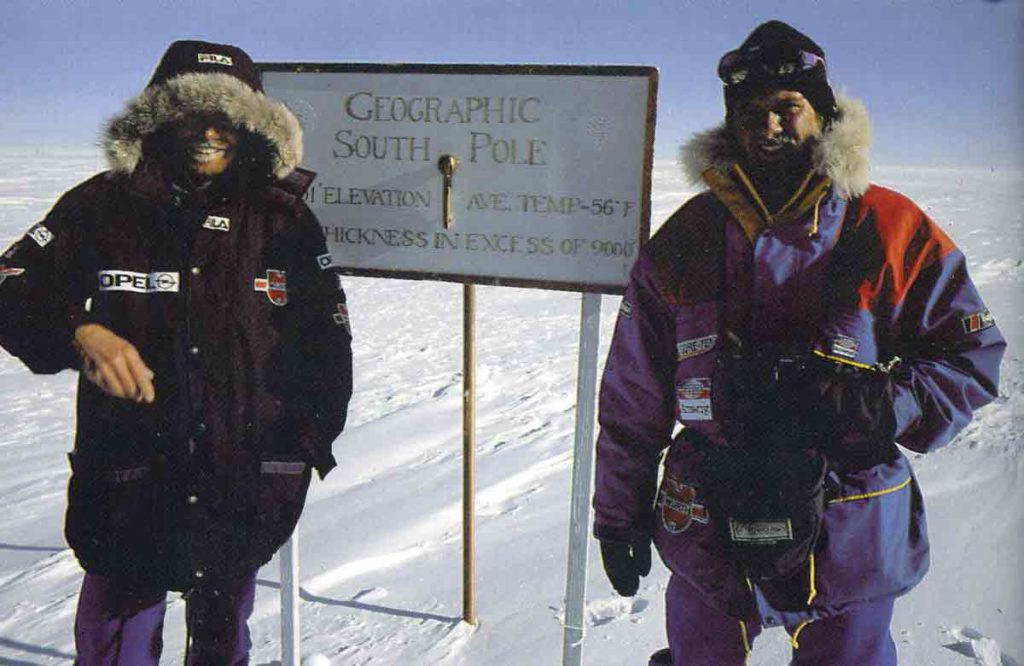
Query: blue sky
943	80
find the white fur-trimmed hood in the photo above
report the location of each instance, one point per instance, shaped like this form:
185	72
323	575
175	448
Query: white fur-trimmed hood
202	92
841	153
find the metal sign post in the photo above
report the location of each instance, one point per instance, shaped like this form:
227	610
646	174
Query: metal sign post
582	470
468	388
290	655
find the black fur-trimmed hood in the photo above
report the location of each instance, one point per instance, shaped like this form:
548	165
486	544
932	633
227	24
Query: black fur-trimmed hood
203	92
841	153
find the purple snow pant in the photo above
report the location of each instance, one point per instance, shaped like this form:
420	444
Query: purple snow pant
699	635
123	626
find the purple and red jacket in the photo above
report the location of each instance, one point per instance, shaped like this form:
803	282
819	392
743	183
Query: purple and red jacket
897	287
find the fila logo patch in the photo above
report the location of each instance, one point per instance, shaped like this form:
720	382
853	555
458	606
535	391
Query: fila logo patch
274	285
217	223
694	397
139	283
215	59
978	322
845	346
696	346
325	261
41	235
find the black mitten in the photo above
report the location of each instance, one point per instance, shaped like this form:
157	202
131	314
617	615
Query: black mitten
626	563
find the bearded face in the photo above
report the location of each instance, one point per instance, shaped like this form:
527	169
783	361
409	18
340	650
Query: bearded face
776	130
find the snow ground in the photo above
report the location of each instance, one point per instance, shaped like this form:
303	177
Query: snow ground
380	539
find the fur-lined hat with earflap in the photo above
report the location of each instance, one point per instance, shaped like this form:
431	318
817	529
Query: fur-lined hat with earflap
840	153
196	77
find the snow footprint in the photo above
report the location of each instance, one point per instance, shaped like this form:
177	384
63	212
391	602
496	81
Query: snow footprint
984	650
603	611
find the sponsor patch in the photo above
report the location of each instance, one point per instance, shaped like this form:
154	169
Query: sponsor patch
274	285
695	346
341	317
626	309
215	59
217	223
41	235
325	261
761	531
139	283
9	271
978	322
845	346
694	398
679	506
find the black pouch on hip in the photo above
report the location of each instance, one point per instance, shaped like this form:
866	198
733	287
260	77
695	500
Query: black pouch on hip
767	508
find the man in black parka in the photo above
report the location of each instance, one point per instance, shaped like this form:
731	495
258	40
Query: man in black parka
192	288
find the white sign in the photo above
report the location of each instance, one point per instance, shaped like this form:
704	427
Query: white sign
551	187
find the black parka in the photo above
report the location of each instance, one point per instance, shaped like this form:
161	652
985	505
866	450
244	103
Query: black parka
231	298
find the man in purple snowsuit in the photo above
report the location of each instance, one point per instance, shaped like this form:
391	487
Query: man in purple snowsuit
192	288
793	317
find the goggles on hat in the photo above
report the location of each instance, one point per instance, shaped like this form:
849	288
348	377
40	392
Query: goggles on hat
738	66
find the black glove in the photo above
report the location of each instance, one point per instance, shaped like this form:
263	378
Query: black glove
626	563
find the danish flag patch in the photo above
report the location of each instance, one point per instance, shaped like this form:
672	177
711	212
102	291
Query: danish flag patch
274	285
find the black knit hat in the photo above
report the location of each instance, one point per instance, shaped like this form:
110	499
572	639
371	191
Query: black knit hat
777	56
195	57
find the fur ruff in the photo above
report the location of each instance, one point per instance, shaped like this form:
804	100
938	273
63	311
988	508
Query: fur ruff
208	92
841	153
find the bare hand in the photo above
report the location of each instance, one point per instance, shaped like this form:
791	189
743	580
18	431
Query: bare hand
112	363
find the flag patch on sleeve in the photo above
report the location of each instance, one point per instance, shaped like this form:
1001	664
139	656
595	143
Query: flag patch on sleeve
978	321
845	346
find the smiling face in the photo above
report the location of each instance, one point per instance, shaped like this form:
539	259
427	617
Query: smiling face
206	145
776	130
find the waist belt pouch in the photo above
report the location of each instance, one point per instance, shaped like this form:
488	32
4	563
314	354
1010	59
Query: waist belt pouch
766	507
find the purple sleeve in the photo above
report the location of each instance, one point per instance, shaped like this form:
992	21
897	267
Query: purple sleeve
635	411
951	365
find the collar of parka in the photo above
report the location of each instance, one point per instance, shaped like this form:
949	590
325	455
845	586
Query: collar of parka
205	92
840	154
